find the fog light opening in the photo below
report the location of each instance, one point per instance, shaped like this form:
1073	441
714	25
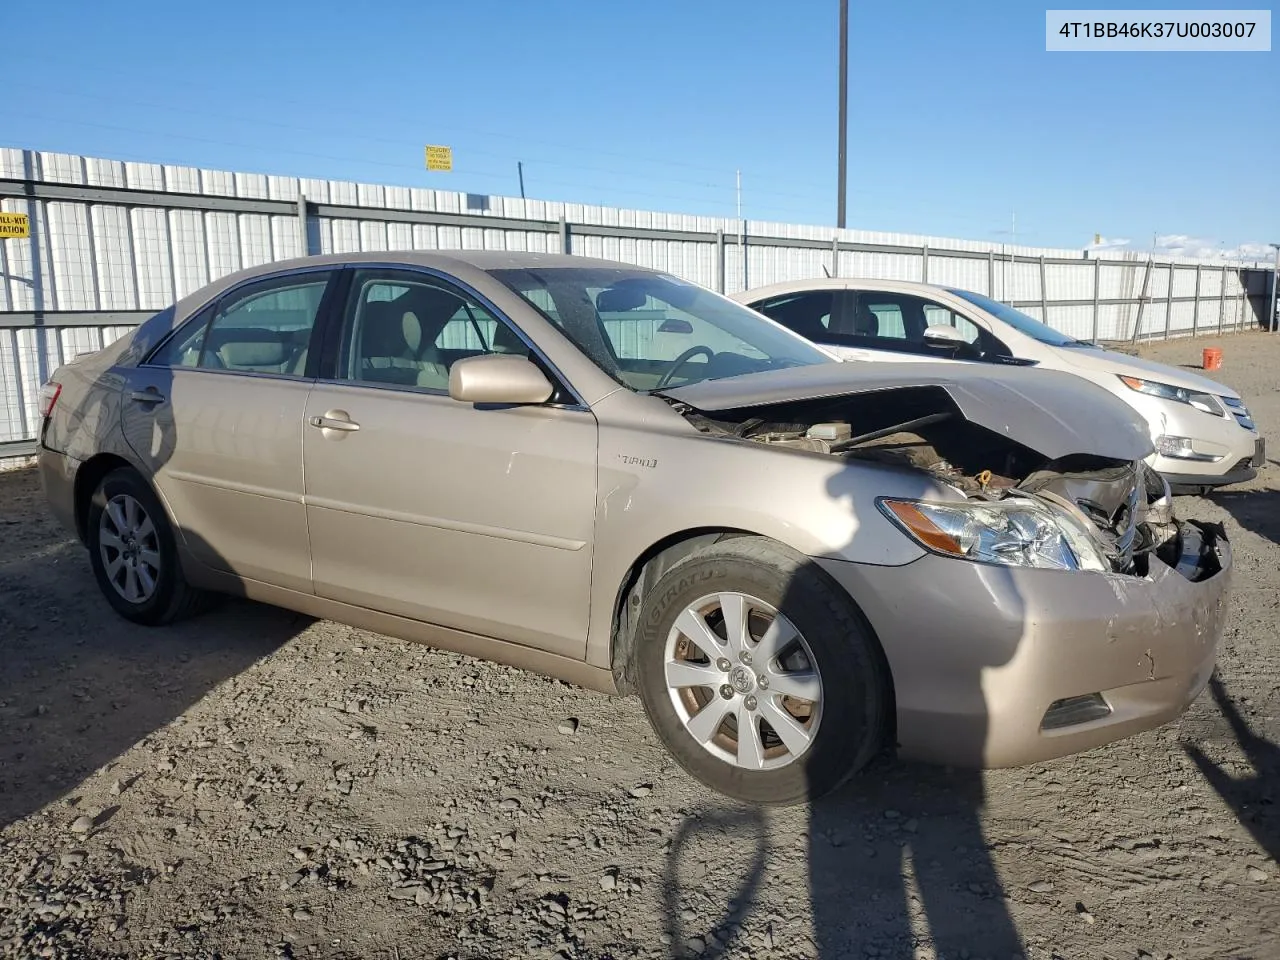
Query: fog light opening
1074	710
1179	448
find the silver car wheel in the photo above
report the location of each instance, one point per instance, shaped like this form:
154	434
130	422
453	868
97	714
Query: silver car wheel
130	548
743	681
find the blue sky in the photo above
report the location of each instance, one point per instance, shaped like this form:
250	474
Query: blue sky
958	117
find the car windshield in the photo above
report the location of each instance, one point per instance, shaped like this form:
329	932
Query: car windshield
650	330
1024	324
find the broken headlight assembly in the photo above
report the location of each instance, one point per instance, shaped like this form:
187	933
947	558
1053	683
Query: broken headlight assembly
1015	532
1201	401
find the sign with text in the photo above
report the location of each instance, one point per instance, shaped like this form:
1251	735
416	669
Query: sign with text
1120	31
15	226
440	158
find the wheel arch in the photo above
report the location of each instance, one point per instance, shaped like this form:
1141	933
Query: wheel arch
644	572
88	476
664	554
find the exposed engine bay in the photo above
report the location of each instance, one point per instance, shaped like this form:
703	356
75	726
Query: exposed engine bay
1125	506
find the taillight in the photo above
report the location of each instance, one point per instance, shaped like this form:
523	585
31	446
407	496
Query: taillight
49	394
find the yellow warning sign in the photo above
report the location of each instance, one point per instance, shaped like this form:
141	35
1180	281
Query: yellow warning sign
15	226
440	158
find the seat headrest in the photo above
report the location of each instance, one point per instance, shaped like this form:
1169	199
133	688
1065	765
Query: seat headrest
865	322
411	330
252	353
383	330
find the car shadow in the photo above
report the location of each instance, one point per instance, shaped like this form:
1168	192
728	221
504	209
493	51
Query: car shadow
1254	797
80	686
1257	511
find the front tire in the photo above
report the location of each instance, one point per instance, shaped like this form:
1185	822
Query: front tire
759	674
134	552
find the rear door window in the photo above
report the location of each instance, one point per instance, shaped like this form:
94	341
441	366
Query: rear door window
808	313
261	328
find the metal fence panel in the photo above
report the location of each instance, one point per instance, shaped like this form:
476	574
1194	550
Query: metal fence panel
110	235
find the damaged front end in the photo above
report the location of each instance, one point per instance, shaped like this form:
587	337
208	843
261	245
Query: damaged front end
1024	506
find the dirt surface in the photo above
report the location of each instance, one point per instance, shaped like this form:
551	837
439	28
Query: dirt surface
256	784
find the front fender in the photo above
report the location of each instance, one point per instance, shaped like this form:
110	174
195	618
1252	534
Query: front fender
653	487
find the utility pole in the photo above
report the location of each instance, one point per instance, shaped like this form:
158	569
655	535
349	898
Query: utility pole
1275	277
844	110
520	174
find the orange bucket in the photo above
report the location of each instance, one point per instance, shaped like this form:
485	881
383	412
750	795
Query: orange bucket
1212	358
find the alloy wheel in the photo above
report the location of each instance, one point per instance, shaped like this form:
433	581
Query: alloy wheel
130	548
743	681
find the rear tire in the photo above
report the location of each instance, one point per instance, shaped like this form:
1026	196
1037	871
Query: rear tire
134	552
699	701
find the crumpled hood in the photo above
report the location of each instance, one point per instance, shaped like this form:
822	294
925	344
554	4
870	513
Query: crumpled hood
1056	414
1110	361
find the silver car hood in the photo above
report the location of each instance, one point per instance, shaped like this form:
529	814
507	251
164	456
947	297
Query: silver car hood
1055	414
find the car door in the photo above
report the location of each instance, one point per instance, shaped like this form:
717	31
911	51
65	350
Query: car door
215	415
889	325
475	517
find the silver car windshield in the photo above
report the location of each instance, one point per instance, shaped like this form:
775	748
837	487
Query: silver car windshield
650	330
1024	324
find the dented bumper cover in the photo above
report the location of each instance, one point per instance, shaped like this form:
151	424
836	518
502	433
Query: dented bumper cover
980	653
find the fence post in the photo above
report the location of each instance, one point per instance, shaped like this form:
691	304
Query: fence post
1168	307
1222	297
924	264
303	243
720	261
1142	300
991	274
1044	294
35	226
1195	306
564	236
1097	282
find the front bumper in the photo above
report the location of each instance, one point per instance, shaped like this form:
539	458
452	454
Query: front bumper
1228	453
979	653
1239	464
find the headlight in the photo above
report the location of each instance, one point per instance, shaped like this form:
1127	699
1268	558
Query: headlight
1201	401
1018	532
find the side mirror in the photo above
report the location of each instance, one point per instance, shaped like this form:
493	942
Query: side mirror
943	335
498	378
675	325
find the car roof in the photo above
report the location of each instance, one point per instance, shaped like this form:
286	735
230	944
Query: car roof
485	260
838	283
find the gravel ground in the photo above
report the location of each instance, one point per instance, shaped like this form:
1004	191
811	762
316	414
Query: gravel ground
257	784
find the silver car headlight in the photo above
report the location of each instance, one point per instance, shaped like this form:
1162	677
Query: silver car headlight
1201	401
1017	532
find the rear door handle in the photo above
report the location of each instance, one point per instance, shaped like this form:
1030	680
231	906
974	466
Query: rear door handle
335	420
149	395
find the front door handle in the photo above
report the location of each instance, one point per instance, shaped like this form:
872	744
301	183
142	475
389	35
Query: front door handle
149	395
338	420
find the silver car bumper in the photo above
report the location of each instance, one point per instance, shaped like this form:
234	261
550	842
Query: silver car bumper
988	662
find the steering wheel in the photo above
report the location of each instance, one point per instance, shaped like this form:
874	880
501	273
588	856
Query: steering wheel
681	360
